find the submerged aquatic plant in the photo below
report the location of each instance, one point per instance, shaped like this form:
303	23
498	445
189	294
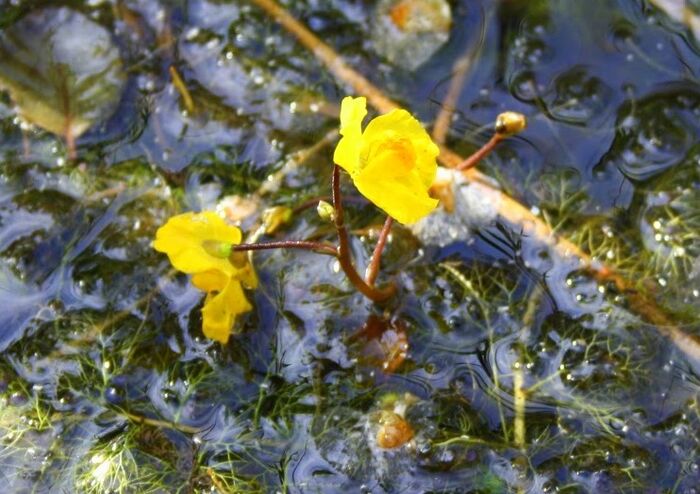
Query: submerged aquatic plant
392	163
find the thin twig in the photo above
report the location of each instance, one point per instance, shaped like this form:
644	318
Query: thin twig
373	268
218	485
182	89
274	181
460	70
140	419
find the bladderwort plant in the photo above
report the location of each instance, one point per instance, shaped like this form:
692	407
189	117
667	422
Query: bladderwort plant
392	162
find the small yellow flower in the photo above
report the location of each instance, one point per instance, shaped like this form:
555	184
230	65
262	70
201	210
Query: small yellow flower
392	162
192	240
200	244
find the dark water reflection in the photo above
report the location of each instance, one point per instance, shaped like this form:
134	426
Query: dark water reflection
102	351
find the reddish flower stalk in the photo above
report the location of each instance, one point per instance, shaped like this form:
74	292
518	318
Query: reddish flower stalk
481	153
373	268
344	257
320	247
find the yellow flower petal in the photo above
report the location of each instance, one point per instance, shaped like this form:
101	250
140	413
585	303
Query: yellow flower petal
352	113
405	200
187	239
399	124
244	270
220	311
347	153
210	281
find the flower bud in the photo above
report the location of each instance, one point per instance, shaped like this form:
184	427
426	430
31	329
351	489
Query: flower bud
275	217
510	123
325	211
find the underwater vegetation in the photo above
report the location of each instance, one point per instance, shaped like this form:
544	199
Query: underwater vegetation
187	305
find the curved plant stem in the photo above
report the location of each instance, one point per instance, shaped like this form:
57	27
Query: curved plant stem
319	247
344	249
481	153
373	268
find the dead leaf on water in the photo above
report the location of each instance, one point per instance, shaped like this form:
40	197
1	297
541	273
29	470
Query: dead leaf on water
62	70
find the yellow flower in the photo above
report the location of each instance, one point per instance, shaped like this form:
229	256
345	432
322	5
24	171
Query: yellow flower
200	244
392	162
192	240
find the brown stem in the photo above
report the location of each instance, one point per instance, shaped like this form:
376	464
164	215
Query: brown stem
373	268
480	154
319	247
344	258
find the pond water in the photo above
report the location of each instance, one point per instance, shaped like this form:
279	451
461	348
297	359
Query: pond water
522	372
